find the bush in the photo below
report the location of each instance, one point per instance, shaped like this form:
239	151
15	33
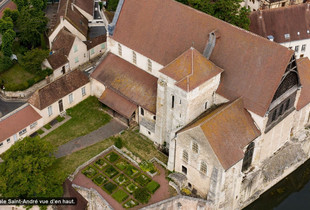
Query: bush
40	131
59	118
111	171
31	82
99	180
89	172
112	5
47	126
129	204
118	142
147	166
5	63
112	157
142	180
120	196
109	187
152	187
131	171
142	195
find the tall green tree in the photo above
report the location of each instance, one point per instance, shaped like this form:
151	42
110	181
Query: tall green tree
227	10
31	24
13	14
25	170
37	4
32	60
21	4
7	42
5	24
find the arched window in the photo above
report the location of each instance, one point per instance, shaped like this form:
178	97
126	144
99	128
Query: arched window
203	167
185	156
247	160
120	50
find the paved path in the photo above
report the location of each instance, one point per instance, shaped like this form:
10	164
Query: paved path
113	127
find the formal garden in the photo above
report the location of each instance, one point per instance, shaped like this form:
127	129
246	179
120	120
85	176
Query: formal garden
128	184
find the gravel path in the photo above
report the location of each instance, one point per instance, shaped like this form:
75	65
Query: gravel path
110	129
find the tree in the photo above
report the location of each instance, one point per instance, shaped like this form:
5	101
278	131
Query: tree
5	24
21	4
25	170
227	10
7	42
13	14
112	5
39	4
31	24
32	60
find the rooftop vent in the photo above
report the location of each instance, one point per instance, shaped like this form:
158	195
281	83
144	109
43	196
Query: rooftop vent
298	33
270	37
287	36
308	32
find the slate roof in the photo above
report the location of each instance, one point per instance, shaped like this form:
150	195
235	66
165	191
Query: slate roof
17	121
57	89
293	20
163	29
303	65
127	80
191	69
228	129
118	103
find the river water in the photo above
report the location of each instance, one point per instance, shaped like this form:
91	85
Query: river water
292	193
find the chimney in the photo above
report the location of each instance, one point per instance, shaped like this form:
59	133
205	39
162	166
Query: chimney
211	43
61	19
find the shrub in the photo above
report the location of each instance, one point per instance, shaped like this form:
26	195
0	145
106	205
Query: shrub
40	131
118	142
89	172
31	82
47	126
112	5
142	180
99	180
5	63
152	187
59	118
111	171
122	165
100	163
120	196
142	195
129	204
147	166
131	188
121	180
112	157
109	187
131	171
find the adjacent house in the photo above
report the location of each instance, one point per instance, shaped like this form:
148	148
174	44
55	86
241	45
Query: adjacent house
226	102
78	35
287	26
54	98
16	125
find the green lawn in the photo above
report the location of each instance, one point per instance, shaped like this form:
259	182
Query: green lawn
16	78
87	116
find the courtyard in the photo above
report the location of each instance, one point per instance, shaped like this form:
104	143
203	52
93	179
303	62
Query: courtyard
122	183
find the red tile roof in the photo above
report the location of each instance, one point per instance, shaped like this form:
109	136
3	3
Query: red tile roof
57	60
86	5
59	88
303	65
280	21
63	42
163	29
17	121
191	69
128	81
11	5
118	103
228	129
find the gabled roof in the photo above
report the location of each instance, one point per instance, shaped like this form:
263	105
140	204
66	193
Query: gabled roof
57	60
163	29
57	89
191	69
228	129
303	65
128	81
285	24
17	121
95	41
73	15
86	5
63	41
